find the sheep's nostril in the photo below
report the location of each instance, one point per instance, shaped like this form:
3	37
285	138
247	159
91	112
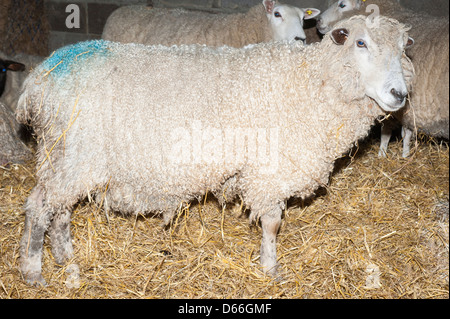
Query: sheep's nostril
398	95
298	38
319	22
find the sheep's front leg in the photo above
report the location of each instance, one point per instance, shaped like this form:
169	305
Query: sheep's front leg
37	220
386	132
270	225
60	236
406	135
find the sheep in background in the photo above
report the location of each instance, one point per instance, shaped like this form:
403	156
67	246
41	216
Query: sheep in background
12	149
342	9
13	81
427	110
262	23
167	124
8	66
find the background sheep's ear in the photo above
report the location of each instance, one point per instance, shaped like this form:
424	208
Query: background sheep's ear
269	5
410	42
310	13
14	66
339	36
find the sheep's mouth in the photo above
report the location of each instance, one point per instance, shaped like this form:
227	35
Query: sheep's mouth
390	107
323	30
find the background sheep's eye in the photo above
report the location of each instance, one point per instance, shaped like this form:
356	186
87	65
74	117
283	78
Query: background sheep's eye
361	43
341	5
277	14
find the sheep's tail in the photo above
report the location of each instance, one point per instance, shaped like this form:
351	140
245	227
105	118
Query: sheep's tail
24	104
30	102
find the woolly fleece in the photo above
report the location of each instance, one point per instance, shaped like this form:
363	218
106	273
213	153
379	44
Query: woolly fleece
154	26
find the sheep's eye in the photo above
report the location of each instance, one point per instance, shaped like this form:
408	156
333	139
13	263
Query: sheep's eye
342	5
277	14
361	44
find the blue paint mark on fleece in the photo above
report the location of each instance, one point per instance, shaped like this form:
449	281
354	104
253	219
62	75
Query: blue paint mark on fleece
63	61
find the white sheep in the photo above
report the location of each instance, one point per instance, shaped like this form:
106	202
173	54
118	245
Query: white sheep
262	23
342	9
151	128
427	110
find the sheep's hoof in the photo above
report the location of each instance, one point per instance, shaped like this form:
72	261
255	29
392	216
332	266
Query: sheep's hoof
35	279
271	270
382	154
73	276
274	274
405	154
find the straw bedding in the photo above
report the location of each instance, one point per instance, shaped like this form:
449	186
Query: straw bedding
379	230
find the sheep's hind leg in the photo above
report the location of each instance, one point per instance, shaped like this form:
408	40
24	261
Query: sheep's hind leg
37	220
60	236
270	224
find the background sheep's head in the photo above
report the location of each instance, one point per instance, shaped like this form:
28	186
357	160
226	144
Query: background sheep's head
374	50
5	66
335	12
286	21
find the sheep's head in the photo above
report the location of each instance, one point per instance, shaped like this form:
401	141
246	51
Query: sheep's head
374	52
336	12
286	22
5	66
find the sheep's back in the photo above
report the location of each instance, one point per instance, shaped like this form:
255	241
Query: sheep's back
87	103
152	26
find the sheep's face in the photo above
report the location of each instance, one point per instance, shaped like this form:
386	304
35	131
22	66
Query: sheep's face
286	21
335	13
377	57
5	66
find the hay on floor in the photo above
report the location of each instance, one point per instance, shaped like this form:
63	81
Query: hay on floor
379	230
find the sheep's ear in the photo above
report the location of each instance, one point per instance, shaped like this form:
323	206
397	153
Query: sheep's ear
269	5
310	13
14	66
409	43
339	36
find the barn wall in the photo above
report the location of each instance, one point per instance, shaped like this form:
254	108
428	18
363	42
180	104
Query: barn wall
23	27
